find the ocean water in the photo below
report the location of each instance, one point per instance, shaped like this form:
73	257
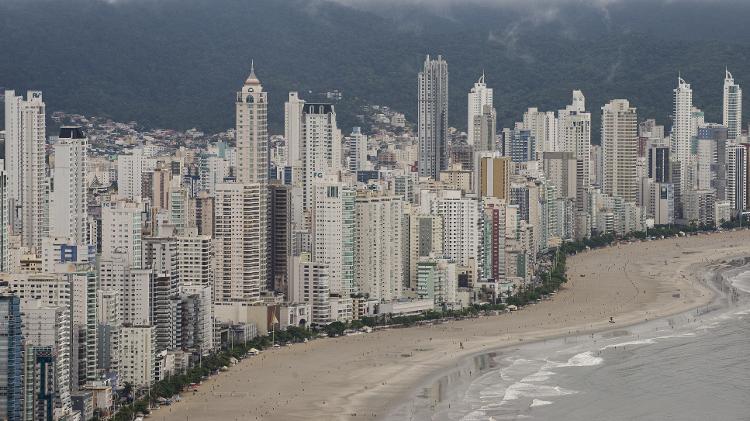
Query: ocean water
695	366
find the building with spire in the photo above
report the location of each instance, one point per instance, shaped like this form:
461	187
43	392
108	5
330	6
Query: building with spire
252	131
732	106
480	96
241	208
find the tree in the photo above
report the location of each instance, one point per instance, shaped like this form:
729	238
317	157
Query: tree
335	329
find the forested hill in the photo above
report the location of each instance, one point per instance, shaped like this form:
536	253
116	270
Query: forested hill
177	63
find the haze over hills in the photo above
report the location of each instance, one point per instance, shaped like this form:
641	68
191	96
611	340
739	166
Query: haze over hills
178	63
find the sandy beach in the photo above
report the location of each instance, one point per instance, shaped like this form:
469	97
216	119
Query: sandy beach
363	376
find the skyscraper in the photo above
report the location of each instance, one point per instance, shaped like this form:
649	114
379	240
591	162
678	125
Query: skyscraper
25	133
494	176
293	129
658	164
543	126
378	267
130	175
68	196
240	243
620	150
241	208
333	219
357	159
484	129
732	106
479	97
121	226
4	252
321	146
11	353
574	135
433	118
252	132
682	133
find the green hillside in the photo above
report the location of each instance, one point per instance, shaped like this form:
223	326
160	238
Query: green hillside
177	63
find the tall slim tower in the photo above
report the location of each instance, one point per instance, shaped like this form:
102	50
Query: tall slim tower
293	129
682	130
620	149
484	129
25	133
574	135
252	132
732	106
479	97
240	243
321	146
433	117
11	390
4	223
68	194
241	208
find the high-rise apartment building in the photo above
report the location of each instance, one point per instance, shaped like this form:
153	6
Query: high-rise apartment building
732	107
682	134
251	131
293	123
494	176
240	242
357	142
620	150
543	127
279	235
461	216
333	230
433	117
4	223
68	193
130	169
560	170
659	164
484	129
574	135
11	353
25	135
121	232
321	146
480	97
378	262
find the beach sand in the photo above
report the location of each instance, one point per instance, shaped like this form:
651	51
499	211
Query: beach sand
364	376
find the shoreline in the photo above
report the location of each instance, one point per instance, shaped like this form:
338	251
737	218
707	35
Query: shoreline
367	376
452	384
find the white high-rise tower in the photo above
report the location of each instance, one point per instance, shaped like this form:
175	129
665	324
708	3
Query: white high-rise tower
682	131
620	150
574	135
321	146
479	96
241	208
25	133
68	194
293	129
433	118
732	107
252	132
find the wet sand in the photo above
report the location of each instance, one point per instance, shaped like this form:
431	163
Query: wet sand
364	376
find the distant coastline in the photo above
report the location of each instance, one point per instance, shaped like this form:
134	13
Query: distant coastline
454	380
365	374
